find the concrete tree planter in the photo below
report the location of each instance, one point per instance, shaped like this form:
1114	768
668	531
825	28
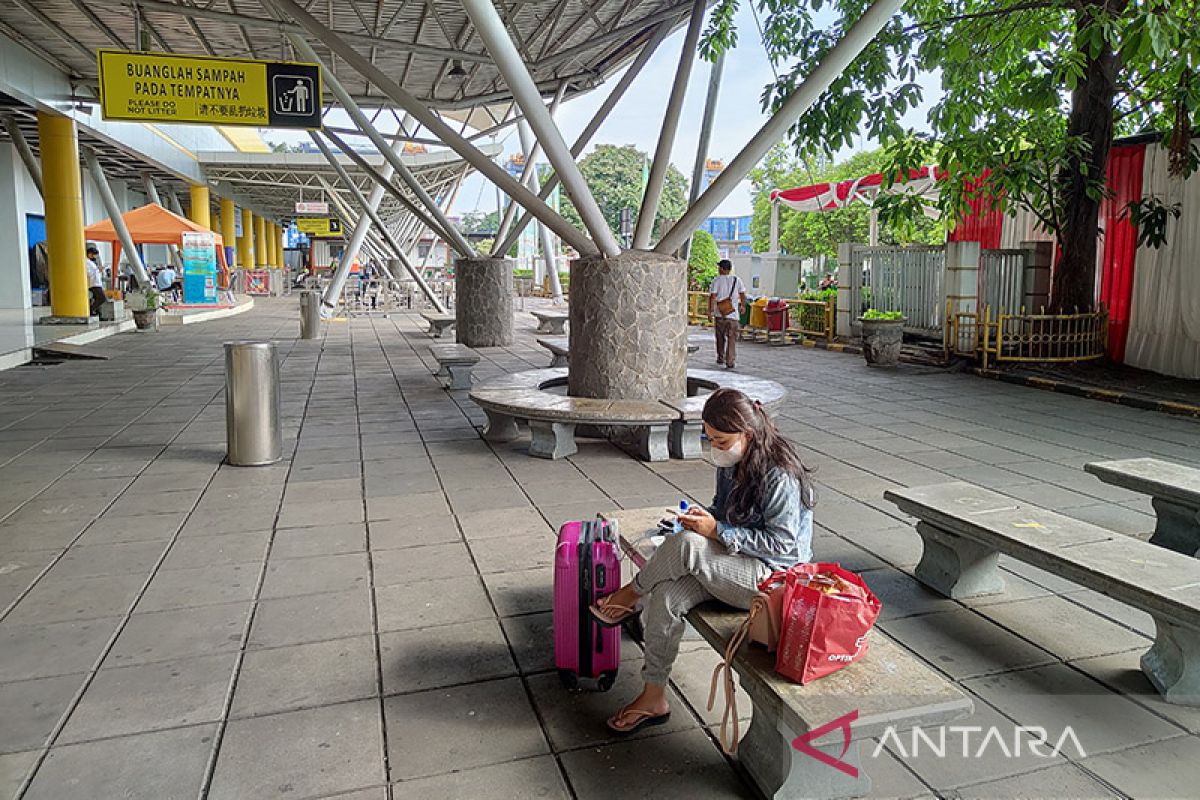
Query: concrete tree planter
881	341
146	319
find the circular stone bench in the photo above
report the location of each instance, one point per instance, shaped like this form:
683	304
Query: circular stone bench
666	429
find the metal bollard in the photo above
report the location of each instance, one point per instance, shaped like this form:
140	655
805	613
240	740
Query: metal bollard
253	425
310	314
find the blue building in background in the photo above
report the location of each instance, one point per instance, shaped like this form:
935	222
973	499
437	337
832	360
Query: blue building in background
732	234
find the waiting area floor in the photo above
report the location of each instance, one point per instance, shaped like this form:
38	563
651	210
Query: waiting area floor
370	617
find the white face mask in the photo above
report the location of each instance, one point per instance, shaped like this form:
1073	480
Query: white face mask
727	458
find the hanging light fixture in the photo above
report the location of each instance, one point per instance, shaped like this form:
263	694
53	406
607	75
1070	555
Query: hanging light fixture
456	70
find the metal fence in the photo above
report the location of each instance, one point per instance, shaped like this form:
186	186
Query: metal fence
904	279
1002	280
994	338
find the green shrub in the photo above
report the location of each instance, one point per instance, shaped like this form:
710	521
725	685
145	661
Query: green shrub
875	314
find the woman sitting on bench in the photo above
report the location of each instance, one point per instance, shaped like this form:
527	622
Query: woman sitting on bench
760	521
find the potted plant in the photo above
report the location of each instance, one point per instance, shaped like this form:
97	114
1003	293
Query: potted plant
145	305
882	333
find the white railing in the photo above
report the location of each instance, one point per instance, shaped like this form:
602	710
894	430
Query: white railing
904	279
1002	280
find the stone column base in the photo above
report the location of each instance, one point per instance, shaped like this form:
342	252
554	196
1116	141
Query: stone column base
484	306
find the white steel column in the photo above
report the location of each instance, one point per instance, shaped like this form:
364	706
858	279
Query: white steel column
114	213
706	125
860	35
531	151
547	240
510	64
455	141
337	281
27	158
152	196
666	136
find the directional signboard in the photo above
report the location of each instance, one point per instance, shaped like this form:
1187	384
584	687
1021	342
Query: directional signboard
319	226
311	207
157	87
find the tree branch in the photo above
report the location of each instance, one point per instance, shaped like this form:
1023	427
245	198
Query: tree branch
1033	5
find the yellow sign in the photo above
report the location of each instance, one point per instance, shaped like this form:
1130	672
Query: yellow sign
319	226
158	87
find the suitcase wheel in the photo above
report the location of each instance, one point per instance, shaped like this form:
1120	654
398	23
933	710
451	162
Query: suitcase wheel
606	681
570	680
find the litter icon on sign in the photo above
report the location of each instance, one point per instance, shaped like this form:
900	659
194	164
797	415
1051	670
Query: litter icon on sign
293	94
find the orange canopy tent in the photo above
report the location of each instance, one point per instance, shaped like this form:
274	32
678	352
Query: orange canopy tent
153	224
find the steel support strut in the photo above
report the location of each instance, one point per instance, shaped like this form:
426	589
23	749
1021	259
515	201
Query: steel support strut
510	64
374	216
531	151
405	100
544	235
153	197
114	214
706	125
23	150
670	125
597	120
835	62
337	281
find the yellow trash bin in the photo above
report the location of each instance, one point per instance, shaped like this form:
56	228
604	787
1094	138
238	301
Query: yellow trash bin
758	313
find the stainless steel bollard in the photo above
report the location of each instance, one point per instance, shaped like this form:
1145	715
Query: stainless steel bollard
310	314
253	424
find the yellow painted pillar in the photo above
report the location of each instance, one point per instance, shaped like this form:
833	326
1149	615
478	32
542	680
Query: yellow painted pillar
228	225
200	211
63	198
269	231
261	257
245	253
279	245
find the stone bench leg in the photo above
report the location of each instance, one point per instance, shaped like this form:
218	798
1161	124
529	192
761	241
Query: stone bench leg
1178	527
685	439
955	566
652	443
460	376
782	772
557	360
500	427
1173	663
558	327
551	440
543	326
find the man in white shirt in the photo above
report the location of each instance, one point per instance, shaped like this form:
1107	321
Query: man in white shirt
726	301
95	277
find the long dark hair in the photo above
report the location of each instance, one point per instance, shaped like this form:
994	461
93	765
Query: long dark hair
731	411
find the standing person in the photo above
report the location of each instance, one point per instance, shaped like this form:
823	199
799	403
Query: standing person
95	276
726	301
760	521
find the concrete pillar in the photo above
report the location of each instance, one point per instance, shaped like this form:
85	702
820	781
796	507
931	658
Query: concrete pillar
848	306
484	306
962	278
228	222
279	245
18	196
628	334
245	242
261	257
200	211
63	196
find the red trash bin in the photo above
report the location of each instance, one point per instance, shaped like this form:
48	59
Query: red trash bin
776	312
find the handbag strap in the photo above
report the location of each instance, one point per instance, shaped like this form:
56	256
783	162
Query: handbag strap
724	672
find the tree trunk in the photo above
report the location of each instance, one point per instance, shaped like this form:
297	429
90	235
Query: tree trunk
1091	124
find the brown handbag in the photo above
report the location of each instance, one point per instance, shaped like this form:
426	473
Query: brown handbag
725	307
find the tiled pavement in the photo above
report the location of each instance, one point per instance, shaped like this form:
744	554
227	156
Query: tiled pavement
370	618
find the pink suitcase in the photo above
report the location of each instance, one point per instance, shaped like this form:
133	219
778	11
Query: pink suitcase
586	567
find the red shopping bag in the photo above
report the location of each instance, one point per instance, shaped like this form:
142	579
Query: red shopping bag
826	616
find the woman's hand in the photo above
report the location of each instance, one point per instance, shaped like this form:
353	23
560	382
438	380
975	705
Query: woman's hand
697	519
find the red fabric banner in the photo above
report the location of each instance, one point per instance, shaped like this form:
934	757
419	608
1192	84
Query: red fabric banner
1119	243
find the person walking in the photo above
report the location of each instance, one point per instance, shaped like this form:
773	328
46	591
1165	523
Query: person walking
726	301
95	277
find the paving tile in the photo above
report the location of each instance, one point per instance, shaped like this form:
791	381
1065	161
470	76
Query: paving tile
465	726
503	522
150	527
296	576
322	540
445	655
163	765
147	697
13	768
225	548
199	586
964	644
437	602
170	502
535	778
410	506
1162	769
306	675
682	764
1065	780
524	592
1067	630
903	595
316	751
1122	672
229	520
130	558
1056	696
166	635
58	648
417	564
328	512
311	618
467	501
77	599
513	553
30	710
692	678
392	534
889	778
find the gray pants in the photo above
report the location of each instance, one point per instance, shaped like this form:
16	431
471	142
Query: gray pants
686	570
727	334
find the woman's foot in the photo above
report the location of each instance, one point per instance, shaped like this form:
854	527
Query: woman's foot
648	708
611	610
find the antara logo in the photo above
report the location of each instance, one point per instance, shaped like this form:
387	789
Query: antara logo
802	743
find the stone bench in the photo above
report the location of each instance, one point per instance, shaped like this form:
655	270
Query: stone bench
551	322
552	417
888	688
560	355
1175	494
455	362
684	439
965	528
439	323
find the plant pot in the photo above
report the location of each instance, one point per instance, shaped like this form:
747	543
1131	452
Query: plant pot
146	319
881	341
